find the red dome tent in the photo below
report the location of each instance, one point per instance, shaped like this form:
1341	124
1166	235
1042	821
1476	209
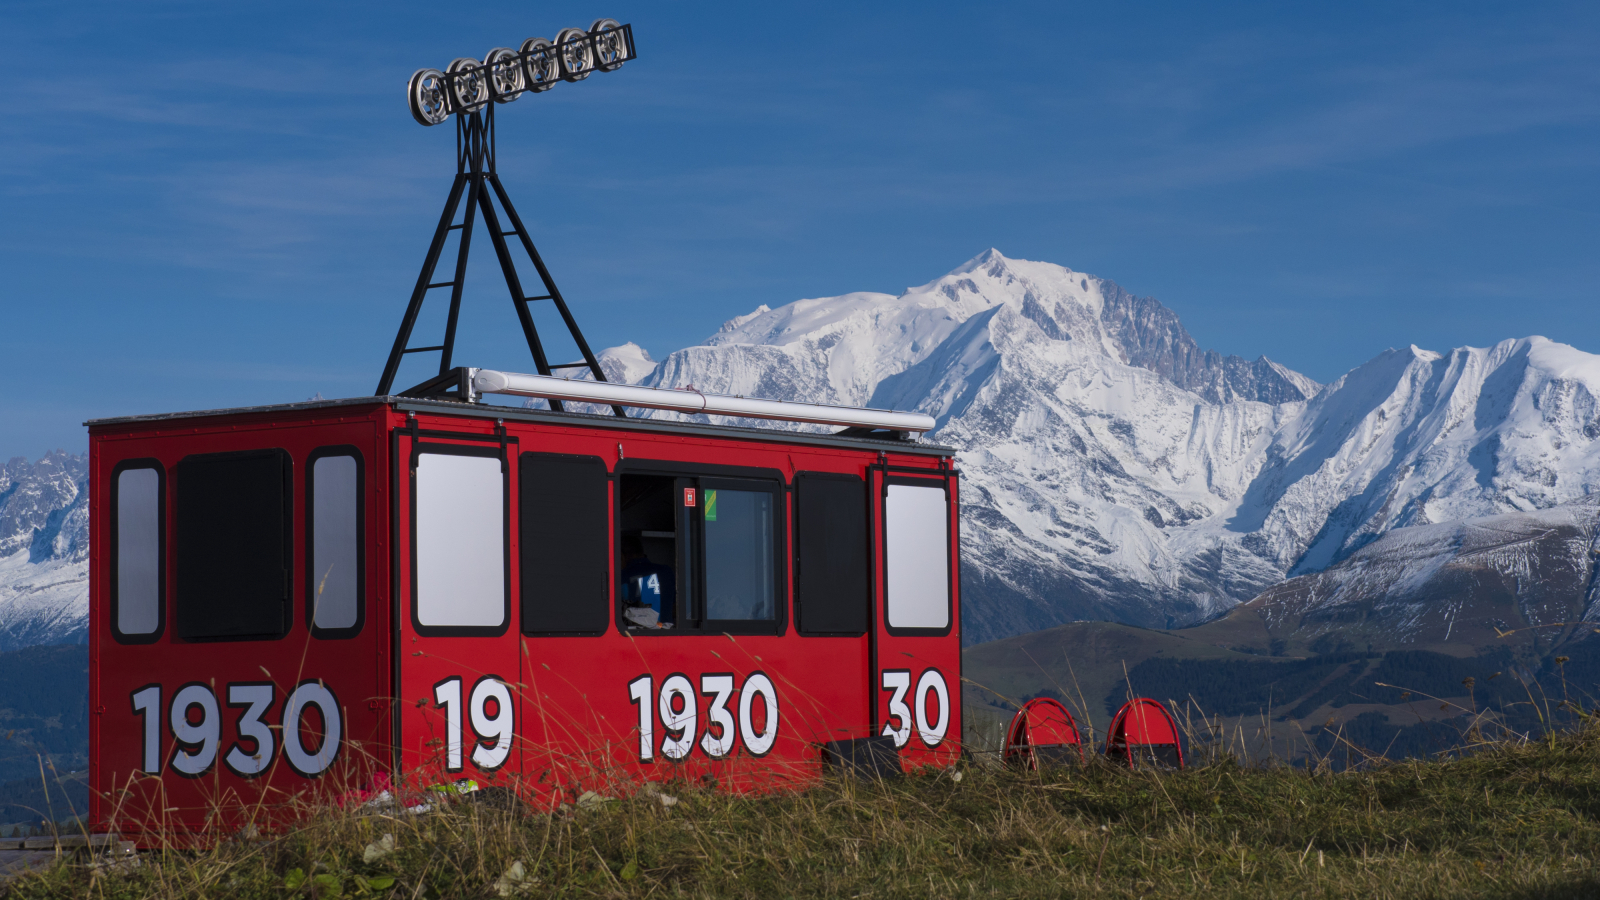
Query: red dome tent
1144	732
1043	733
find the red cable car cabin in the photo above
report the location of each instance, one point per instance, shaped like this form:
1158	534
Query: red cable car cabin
329	595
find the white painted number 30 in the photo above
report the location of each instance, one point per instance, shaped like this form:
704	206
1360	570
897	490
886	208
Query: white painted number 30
931	688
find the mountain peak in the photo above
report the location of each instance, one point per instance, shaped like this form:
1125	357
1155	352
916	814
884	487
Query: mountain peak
627	364
982	260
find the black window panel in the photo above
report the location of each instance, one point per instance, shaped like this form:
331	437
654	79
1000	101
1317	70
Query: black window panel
566	546
233	534
832	580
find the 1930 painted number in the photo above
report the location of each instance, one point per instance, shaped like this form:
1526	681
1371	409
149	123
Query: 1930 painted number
195	721
679	710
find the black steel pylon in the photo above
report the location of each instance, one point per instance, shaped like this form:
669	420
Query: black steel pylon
477	180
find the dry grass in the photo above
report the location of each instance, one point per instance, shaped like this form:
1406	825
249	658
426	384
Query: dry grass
1510	819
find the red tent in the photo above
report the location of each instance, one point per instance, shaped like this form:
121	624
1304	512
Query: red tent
1043	733
1144	732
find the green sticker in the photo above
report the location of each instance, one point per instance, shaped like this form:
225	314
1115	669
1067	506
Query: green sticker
711	506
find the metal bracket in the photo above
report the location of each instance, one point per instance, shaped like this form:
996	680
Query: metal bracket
455	384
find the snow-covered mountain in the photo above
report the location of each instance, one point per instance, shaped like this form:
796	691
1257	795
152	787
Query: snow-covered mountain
44	550
1115	470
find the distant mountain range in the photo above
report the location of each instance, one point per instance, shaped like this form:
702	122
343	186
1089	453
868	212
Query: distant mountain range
44	550
1113	469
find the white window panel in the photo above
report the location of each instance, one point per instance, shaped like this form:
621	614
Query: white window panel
460	549
335	541
917	551
138	551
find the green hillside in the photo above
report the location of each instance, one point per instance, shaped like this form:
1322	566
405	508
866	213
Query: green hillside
44	722
1233	681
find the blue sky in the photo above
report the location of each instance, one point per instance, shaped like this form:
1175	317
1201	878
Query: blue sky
213	204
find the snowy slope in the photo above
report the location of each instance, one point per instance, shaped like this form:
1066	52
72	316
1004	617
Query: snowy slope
44	550
1463	583
1116	470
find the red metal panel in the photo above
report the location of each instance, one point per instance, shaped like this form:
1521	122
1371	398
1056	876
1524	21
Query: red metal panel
441	677
591	708
335	678
916	677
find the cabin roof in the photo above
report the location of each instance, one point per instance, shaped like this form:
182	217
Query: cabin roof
589	420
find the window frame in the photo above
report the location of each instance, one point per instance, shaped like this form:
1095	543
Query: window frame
494	451
350	631
722	478
798	599
950	534
161	550
286	462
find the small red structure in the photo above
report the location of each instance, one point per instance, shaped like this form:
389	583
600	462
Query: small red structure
1144	733
325	595
1043	733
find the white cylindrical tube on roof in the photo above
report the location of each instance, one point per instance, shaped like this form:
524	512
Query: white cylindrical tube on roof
489	381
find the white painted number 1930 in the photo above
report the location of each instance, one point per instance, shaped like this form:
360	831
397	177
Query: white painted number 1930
195	722
679	711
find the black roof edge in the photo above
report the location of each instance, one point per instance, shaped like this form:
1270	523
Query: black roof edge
877	441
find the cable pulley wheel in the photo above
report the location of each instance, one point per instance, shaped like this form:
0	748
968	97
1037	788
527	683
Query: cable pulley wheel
577	54
425	92
539	64
506	77
468	86
610	49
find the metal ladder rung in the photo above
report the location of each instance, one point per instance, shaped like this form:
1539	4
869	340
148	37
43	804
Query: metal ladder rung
531	299
441	284
576	365
456	227
421	349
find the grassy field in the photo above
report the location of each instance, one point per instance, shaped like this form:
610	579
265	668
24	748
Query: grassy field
1505	820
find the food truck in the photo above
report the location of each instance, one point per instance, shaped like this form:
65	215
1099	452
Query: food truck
434	589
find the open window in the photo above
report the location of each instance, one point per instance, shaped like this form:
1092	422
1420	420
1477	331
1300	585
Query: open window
335	528
138	550
699	553
460	568
832	580
234	556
